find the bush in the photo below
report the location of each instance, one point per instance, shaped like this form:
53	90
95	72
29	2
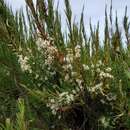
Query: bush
72	82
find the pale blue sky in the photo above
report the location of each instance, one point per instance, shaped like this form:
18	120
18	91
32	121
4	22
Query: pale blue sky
93	8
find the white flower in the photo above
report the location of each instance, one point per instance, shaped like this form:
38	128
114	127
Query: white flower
96	87
77	51
108	69
54	112
79	81
47	49
39	84
46	78
109	76
52	101
8	121
98	70
48	105
41	44
104	121
74	91
81	87
69	50
85	67
64	98
77	55
67	77
106	75
77	89
102	101
77	47
69	98
52	107
49	60
23	61
102	74
92	66
67	66
100	62
20	48
74	74
59	117
63	94
36	76
111	97
69	58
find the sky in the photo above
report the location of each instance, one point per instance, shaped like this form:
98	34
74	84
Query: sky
93	9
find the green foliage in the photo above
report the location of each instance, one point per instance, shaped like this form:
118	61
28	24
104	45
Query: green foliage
64	82
20	123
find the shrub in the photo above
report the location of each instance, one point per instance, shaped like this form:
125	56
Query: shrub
72	82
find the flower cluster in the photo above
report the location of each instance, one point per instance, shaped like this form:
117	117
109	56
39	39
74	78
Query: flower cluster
95	88
68	67
106	74
105	121
23	61
77	51
72	76
101	70
104	77
48	49
73	55
85	67
69	57
63	99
